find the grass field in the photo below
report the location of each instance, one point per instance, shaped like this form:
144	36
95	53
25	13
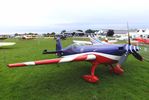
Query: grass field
63	81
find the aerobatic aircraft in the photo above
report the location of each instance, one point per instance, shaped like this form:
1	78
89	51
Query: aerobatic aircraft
95	41
102	53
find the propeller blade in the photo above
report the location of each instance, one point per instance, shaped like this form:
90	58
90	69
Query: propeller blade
128	34
137	56
123	58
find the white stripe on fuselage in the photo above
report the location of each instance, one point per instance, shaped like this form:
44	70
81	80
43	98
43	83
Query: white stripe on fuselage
113	57
72	57
91	57
66	59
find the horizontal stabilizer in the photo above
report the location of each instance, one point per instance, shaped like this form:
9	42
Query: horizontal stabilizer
51	52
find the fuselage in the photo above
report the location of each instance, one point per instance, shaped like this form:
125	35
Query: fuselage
107	53
112	49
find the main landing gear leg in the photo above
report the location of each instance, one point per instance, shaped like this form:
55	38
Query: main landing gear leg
92	78
117	69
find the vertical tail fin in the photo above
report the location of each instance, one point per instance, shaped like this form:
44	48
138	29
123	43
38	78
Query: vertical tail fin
58	50
58	46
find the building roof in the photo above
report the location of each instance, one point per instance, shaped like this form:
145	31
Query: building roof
73	31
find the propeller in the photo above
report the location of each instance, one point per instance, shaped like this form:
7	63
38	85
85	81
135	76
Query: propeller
128	34
130	49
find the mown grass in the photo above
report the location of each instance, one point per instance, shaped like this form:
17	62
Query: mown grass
63	81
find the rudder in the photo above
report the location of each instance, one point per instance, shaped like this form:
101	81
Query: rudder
58	46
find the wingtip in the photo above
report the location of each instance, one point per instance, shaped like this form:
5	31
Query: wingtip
10	65
16	65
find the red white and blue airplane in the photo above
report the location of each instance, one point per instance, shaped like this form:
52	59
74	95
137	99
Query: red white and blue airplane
102	53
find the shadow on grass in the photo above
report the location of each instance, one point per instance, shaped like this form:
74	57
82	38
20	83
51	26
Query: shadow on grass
3	48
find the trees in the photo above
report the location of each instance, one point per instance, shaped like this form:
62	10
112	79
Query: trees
73	33
80	30
110	32
89	31
63	31
52	34
16	34
49	34
30	33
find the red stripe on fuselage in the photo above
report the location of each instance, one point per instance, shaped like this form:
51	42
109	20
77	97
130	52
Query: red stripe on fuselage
80	58
104	60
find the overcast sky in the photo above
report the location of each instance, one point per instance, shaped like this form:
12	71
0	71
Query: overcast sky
56	15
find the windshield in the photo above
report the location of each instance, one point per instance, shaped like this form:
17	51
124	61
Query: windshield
75	45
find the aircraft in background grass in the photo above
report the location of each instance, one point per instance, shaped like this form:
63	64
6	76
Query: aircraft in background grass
5	44
95	41
102	53
27	37
142	40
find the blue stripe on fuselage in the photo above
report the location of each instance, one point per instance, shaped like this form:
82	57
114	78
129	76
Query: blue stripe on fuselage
112	49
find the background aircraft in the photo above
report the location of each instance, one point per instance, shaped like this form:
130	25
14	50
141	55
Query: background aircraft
95	41
142	40
4	44
27	37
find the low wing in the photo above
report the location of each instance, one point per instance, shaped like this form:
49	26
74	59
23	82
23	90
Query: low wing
6	44
70	58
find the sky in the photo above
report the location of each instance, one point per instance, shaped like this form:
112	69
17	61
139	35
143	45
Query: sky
57	15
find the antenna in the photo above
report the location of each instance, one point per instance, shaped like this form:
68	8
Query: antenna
128	34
